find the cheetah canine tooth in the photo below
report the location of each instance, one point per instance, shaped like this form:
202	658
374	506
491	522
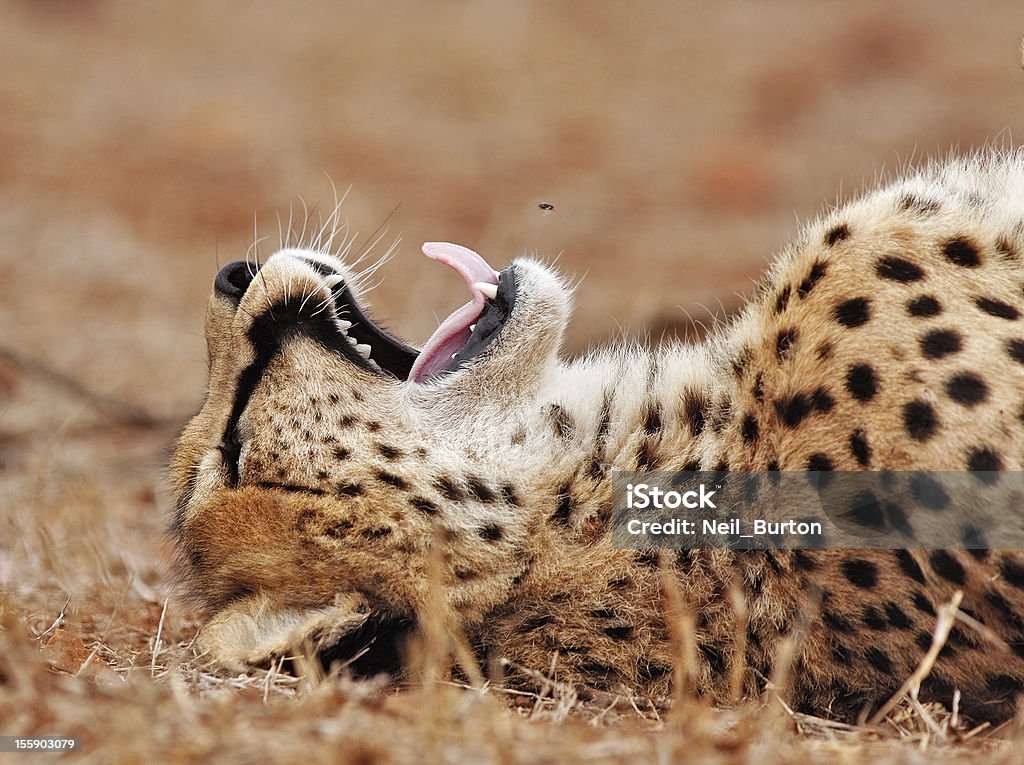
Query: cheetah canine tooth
490	290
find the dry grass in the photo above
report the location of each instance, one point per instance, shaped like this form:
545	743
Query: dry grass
126	678
93	644
675	142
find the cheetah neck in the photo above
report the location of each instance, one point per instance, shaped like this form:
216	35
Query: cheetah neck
627	409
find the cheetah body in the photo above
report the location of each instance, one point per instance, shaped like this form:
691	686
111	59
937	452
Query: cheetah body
321	501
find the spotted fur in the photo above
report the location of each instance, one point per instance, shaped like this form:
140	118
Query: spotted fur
314	496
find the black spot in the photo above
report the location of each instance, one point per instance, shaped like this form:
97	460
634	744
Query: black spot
758	389
694	406
373	426
923	640
924	306
603	613
714	658
1006	249
1006	612
813	277
967	388
392	480
841	654
492	532
865	510
480	490
920	420
945	565
860	573
804	561
535	623
646	455
928	492
509	496
784	341
621	583
349	490
922	604
973	540
755	582
389	452
898	270
853	312
338	529
982	459
424	505
347	421
821	400
897	618
1013	572
622	632
1015	348
997	308
862	382
375	533
650	673
962	252
860	448
1004	685
739	368
910	203
825	351
749	429
878	659
782	299
465	574
652	419
561	421
563	511
793	410
819	462
940	343
873	619
837	234
449	489
648	558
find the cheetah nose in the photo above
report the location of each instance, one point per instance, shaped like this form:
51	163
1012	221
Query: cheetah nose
234	279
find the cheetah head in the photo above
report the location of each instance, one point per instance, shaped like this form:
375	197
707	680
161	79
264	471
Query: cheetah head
313	483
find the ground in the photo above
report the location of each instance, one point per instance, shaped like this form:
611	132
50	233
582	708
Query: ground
675	144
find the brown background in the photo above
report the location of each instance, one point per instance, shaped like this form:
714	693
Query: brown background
681	144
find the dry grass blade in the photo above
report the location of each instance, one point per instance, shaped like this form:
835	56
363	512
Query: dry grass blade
943	625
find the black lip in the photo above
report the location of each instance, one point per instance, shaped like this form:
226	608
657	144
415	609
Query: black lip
490	322
393	356
390	353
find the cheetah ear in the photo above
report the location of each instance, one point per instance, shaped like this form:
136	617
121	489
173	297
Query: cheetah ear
255	632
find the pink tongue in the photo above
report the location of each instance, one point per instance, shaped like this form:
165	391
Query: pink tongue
454	331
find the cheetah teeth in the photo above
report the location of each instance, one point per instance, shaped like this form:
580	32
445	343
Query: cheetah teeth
364	350
490	290
345	325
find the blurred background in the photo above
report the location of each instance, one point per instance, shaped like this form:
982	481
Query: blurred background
680	143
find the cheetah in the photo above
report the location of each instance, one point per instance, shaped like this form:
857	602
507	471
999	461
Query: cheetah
336	477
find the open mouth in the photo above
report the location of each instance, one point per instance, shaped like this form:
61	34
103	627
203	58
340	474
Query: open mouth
464	335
